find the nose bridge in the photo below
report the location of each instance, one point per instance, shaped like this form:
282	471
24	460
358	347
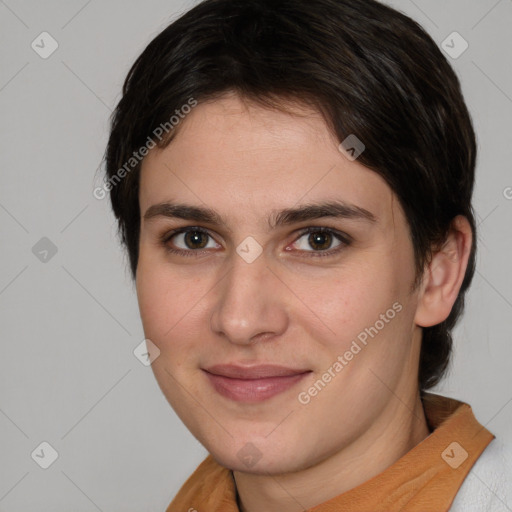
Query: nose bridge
246	306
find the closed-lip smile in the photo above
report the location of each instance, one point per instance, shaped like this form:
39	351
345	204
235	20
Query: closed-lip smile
252	383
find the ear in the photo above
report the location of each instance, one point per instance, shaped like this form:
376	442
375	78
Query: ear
444	275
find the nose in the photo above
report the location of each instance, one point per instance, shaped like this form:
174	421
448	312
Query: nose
251	303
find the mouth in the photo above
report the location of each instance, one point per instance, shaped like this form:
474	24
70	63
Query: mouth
253	384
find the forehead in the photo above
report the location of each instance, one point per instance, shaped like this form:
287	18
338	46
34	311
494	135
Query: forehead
245	160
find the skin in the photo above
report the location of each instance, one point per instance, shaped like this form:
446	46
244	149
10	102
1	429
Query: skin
287	307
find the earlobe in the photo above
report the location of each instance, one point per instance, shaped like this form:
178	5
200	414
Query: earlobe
444	275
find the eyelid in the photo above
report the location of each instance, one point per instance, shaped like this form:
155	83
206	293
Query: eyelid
342	237
168	235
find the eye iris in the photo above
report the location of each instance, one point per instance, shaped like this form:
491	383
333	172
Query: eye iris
194	237
319	239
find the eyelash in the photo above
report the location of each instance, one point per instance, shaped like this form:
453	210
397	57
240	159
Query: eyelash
344	239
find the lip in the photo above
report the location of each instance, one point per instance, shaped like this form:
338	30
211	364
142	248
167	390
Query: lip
253	383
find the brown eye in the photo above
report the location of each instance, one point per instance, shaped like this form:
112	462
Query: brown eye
188	241
195	239
317	239
320	241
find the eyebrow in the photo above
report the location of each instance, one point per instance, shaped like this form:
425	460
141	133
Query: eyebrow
287	216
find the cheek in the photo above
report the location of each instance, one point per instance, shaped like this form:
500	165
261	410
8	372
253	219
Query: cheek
151	299
351	299
156	295
170	306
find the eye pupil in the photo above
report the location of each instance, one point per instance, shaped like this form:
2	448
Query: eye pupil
194	237
319	239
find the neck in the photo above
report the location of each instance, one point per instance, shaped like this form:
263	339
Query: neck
399	428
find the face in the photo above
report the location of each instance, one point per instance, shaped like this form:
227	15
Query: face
280	334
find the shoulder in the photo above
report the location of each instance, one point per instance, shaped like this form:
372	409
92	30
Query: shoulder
488	485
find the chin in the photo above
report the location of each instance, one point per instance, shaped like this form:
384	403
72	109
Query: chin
259	457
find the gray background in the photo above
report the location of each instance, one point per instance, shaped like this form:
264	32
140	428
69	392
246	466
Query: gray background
69	325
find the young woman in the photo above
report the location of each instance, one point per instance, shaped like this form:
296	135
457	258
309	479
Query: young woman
293	184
